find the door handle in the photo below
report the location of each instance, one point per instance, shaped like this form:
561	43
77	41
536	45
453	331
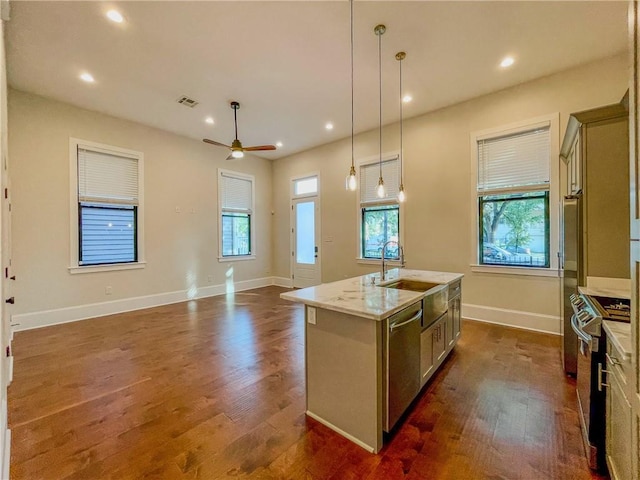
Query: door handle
11	300
13	277
402	324
600	372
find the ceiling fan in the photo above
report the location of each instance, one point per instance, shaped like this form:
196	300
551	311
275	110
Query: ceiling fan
237	150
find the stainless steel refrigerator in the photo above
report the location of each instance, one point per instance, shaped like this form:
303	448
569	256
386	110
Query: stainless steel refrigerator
573	269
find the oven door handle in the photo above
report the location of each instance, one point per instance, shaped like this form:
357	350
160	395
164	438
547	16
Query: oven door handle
576	328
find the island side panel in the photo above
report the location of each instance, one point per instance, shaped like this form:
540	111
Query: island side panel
344	375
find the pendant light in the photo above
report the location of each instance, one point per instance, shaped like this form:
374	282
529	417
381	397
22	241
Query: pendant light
379	31
352	182
401	197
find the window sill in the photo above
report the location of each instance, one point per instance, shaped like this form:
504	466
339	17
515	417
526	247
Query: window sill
529	271
236	258
107	268
377	261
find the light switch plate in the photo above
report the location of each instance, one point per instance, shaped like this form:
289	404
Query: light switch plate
311	315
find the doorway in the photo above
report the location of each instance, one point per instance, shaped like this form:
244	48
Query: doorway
305	233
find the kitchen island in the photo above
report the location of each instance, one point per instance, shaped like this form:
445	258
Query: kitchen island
370	346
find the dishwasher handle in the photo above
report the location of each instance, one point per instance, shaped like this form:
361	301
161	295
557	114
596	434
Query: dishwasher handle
402	324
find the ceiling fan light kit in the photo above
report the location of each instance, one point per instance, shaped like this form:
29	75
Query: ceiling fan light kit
237	150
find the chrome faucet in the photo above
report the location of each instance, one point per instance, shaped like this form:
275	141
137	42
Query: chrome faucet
383	271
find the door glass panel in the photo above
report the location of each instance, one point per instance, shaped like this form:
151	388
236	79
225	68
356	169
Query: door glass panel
305	233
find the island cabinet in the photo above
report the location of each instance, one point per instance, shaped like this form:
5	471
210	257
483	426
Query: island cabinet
454	313
368	352
433	348
619	414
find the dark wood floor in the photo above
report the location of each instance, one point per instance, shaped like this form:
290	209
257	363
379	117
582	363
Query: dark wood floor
214	388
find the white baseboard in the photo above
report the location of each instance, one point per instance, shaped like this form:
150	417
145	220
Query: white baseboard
513	318
6	456
283	282
28	321
5	442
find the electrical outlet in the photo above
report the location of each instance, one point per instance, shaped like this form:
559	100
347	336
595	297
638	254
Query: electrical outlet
311	315
108	290
177	209
210	279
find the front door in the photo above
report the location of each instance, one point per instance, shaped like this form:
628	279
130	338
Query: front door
305	233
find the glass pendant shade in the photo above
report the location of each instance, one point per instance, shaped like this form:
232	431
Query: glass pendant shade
352	183
380	190
401	196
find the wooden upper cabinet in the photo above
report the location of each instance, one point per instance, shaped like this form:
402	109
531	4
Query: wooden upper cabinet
571	155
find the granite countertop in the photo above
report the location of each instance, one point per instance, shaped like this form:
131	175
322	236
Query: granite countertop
359	296
619	334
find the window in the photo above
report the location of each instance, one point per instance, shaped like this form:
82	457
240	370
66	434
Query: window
380	217
305	186
106	205
513	188
236	214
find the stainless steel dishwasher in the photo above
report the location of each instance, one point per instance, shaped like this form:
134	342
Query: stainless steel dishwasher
402	353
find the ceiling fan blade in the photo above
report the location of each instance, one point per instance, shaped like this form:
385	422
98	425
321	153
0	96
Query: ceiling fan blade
213	142
259	147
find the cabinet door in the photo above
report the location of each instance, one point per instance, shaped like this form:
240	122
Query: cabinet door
618	435
439	340
426	355
573	173
457	317
634	120
450	338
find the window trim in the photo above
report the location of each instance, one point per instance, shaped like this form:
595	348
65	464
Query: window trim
360	259
252	234
553	121
74	233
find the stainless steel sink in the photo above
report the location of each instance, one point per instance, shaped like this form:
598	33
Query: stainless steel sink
413	285
435	301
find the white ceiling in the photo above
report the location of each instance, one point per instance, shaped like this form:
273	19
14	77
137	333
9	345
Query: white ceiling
287	63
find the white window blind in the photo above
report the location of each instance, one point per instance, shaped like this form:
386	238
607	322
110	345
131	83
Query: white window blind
107	178
514	161
236	193
369	175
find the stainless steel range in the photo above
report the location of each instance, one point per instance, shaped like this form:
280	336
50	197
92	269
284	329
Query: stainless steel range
586	322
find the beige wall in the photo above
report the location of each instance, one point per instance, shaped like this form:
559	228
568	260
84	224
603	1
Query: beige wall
180	248
438	215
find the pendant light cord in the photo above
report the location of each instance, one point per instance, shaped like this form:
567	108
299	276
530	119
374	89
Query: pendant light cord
352	121
401	151
380	83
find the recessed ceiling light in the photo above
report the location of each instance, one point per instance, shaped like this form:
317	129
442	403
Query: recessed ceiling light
209	120
279	144
329	126
115	16
87	77
407	98
507	62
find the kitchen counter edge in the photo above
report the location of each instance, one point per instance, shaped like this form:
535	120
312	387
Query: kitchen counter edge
360	297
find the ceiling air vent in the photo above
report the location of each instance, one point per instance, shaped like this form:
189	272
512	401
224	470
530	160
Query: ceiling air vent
187	102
